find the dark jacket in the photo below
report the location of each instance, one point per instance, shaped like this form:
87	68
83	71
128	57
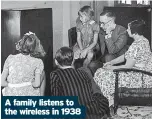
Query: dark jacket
72	82
117	44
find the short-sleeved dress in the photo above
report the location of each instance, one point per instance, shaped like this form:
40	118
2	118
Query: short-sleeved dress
22	68
140	52
87	31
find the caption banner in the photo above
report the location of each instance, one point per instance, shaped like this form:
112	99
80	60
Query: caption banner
41	107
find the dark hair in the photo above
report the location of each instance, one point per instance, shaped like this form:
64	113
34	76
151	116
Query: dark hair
64	56
108	14
137	26
30	44
88	10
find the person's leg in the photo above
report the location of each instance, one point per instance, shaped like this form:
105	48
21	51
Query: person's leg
88	58
94	65
105	79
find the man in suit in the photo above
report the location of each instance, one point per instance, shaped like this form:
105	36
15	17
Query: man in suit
113	39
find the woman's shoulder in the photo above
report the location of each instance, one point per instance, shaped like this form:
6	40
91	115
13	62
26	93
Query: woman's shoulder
142	41
145	40
11	56
36	59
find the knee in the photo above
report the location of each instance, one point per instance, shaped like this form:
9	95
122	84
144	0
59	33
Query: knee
93	66
109	57
90	55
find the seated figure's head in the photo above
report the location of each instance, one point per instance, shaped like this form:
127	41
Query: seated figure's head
30	45
64	57
136	27
107	19
86	14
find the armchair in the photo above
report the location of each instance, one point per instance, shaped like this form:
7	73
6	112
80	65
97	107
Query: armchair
72	34
132	96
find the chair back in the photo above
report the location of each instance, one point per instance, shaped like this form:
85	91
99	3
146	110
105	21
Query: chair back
72	34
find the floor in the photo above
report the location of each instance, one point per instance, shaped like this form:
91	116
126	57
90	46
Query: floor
134	112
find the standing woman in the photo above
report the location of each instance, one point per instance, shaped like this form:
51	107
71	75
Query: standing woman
23	73
137	56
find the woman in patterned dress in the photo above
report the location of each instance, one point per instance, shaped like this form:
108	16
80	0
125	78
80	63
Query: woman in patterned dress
138	56
22	72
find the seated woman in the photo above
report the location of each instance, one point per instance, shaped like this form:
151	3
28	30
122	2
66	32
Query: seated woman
137	56
23	73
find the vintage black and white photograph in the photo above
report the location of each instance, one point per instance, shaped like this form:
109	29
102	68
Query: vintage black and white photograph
99	51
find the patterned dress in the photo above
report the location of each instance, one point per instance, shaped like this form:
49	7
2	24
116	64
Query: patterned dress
140	52
87	31
22	68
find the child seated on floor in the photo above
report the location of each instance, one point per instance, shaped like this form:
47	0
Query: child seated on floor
87	35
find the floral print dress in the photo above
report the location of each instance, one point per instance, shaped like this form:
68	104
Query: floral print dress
140	52
22	68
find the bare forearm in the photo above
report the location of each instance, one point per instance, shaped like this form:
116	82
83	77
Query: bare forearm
4	75
79	43
121	66
95	39
118	60
43	84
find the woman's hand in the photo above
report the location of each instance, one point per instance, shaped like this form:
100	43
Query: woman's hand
107	64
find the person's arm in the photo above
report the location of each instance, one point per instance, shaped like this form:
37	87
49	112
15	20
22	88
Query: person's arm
4	83
38	71
95	39
79	40
36	83
5	72
43	84
131	56
115	61
78	30
115	46
129	64
55	85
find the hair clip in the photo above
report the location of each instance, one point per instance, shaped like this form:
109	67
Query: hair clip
29	33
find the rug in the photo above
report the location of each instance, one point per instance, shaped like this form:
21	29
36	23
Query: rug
134	112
